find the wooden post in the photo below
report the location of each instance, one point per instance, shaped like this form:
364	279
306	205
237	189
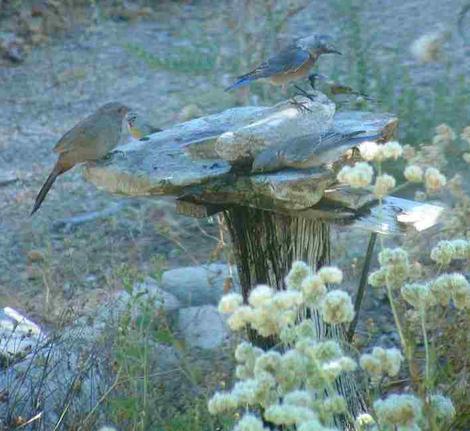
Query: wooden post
265	246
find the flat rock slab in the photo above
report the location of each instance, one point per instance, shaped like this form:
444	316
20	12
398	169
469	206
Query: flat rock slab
370	122
173	159
288	189
281	123
186	161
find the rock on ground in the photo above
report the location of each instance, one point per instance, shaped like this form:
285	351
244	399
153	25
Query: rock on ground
149	292
197	285
18	335
203	327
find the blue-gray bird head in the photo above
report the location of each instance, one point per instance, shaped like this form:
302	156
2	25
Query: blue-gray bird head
318	44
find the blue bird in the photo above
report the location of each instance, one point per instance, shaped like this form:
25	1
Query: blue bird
292	63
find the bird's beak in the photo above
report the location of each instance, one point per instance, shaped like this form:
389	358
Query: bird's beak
334	51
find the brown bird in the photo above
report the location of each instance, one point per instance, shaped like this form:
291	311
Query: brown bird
91	139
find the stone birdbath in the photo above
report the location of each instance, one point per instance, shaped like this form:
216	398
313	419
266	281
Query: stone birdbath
273	218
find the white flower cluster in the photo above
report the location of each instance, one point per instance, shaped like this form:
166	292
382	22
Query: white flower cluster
434	180
381	362
362	173
453	287
364	422
465	135
428	47
337	307
358	176
297	274
371	151
295	387
394	268
399	410
444	135
418	295
413	173
269	311
383	185
290	385
447	251
230	302
250	422
442	409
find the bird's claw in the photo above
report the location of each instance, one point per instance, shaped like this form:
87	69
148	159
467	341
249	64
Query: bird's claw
301	106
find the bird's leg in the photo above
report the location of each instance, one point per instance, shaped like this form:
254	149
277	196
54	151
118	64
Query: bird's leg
312	78
301	106
302	92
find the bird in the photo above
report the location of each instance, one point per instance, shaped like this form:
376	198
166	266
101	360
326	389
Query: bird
308	151
291	63
90	140
137	127
336	90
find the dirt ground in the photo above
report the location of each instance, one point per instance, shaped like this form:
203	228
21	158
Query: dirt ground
43	267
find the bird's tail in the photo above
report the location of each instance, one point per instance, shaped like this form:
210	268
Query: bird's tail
358	139
58	169
242	81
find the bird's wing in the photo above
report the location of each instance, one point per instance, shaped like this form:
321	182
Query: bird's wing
81	132
289	59
305	147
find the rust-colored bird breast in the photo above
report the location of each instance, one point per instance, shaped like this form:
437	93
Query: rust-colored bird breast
301	72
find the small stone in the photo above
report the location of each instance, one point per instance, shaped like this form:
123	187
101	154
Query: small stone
197	285
202	327
18	334
7	178
148	291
